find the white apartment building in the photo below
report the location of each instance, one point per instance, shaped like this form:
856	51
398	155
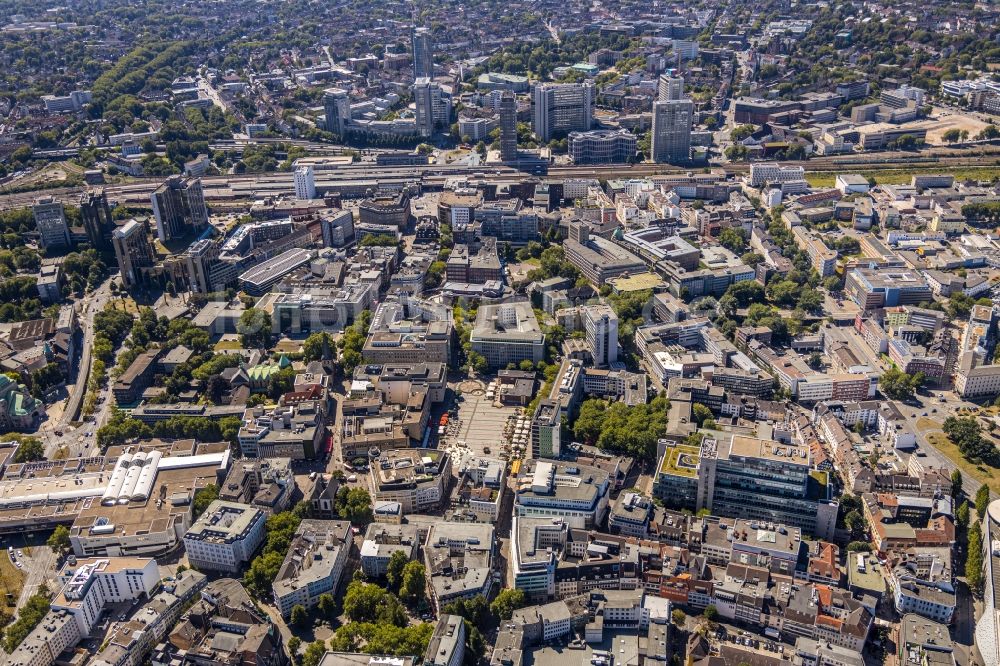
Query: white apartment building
225	536
305	183
93	583
762	173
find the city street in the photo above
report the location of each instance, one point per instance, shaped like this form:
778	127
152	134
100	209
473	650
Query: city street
38	559
79	439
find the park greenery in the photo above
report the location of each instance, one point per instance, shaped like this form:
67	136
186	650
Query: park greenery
203	498
622	428
354	504
982	500
966	433
974	560
29	449
28	617
851	517
280	530
353	341
59	541
898	385
121	428
505	603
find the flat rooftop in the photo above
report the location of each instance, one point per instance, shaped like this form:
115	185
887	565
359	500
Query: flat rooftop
169	500
681	460
402	466
623	645
510	320
752	447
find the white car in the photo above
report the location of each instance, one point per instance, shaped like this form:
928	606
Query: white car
20	554
352	478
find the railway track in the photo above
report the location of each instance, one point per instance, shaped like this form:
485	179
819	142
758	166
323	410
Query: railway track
232	188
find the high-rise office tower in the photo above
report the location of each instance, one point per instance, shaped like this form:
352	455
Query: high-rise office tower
432	104
305	183
50	219
133	251
179	208
423	53
198	259
562	108
672	118
669	88
508	127
337	228
97	220
601	324
337	107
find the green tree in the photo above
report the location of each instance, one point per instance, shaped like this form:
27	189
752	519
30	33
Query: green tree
783	292
326	605
734	239
897	385
203	498
988	132
974	560
810	300
962	516
744	293
414	583
254	328
29	449
590	420
476	610
966	433
634	429
280	528
959	305
678	617
982	501
318	346
507	602
394	569
478	363
701	413
281	382
711	613
314	653
28	617
956	483
299	616
355	505
294	643
365	602
58	541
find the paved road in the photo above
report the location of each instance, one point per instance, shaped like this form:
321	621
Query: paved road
39	563
930	456
91	304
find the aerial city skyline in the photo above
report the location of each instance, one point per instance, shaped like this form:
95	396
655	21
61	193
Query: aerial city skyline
451	334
